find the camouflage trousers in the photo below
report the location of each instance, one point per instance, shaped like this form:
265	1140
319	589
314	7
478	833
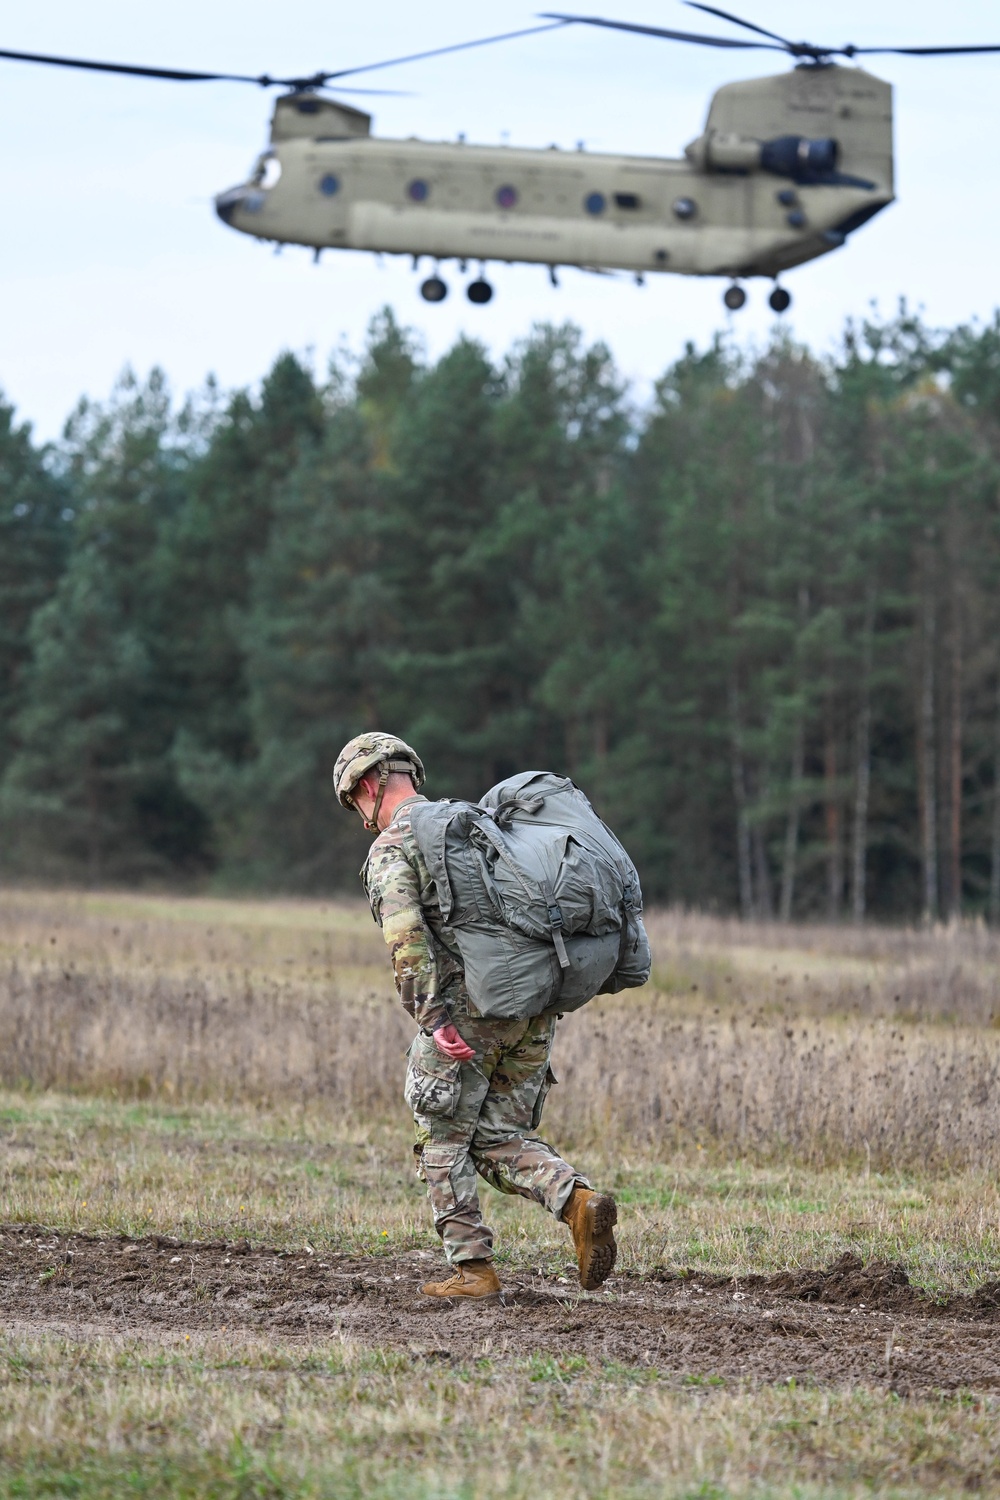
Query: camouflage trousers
480	1116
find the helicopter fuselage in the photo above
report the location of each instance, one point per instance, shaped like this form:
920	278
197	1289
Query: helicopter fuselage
776	179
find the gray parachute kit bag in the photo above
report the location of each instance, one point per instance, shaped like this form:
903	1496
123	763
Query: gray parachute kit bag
543	902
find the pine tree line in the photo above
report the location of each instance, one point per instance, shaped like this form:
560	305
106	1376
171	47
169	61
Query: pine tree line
758	621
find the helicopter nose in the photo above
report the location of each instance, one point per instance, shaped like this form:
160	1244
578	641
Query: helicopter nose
228	202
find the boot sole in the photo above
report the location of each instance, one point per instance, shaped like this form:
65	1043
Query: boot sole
461	1296
602	1213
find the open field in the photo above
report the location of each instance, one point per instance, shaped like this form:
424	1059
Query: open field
821	1043
212	1242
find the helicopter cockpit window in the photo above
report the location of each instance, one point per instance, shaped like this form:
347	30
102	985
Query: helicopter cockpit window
267	171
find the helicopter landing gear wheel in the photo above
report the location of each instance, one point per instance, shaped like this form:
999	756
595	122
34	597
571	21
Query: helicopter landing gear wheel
734	298
780	300
433	289
479	291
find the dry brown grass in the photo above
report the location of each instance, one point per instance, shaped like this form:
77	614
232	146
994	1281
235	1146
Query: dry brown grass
765	1040
817	1090
948	972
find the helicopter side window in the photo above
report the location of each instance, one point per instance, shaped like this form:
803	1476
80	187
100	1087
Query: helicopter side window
267	171
594	203
630	201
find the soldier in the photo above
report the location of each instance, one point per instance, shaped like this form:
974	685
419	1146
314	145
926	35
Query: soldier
476	1086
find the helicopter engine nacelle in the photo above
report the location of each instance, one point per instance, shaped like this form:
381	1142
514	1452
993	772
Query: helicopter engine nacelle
795	156
798	157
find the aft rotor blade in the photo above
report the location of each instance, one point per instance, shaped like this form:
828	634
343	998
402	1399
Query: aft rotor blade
920	51
382	93
724	15
483	41
674	36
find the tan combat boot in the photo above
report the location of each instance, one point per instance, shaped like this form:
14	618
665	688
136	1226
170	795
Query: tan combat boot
471	1278
592	1218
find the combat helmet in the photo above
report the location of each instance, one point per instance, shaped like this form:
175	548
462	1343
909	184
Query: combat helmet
366	752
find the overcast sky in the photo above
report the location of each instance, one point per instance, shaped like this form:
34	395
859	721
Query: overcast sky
111	253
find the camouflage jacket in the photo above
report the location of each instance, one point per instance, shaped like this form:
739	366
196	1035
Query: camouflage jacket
428	970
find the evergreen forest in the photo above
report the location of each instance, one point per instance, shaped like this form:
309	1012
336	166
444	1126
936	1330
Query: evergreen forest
756	618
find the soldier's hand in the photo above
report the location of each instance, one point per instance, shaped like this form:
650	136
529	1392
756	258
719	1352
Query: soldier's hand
448	1041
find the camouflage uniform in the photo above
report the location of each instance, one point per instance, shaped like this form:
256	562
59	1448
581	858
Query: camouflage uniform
475	1116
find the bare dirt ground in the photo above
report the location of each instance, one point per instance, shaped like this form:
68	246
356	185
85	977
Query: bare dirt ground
849	1324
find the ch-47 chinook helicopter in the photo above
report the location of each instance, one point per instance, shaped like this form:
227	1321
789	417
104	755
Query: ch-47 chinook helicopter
786	168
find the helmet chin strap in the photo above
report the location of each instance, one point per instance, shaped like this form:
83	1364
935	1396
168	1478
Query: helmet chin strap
372	823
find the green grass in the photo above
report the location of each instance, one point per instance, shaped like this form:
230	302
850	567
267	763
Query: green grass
282	1176
122	1417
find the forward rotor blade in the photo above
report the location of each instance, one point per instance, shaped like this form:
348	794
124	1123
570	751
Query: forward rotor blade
484	41
263	80
674	36
724	15
177	75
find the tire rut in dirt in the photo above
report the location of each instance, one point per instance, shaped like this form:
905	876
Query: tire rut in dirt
847	1324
